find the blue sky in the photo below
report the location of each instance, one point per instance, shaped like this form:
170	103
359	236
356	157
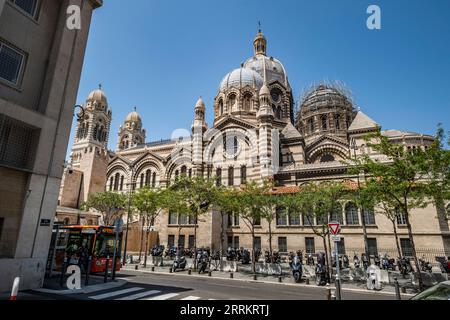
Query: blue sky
160	56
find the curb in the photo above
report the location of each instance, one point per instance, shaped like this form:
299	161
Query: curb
270	282
88	289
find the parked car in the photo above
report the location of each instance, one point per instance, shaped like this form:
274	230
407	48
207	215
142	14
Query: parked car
440	291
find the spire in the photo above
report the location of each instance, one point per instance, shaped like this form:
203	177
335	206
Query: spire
260	42
99	86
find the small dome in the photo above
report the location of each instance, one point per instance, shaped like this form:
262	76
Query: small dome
97	95
133	117
274	68
264	91
240	78
200	103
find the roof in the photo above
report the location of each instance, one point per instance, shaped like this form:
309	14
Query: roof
290	132
362	122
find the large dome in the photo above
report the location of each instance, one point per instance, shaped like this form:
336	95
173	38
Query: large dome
326	96
98	96
240	78
273	68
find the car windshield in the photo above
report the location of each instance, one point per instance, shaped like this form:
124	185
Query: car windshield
439	292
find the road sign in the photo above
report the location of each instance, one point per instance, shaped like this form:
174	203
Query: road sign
335	238
118	225
335	228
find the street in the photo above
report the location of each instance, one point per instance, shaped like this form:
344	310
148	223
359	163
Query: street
146	286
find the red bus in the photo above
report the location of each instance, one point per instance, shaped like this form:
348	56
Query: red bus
77	243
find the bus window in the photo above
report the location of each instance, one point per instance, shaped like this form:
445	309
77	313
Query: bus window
104	245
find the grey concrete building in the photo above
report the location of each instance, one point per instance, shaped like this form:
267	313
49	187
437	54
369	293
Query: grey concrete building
40	66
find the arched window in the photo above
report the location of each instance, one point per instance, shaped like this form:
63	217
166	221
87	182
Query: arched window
154	180
190	173
324	120
121	182
232	102
141	184
311	125
337	123
94	135
243	175
183	171
116	182
220	107
111	183
369	216
66	221
231	176
327	158
247	102
218	177
279	113
126	144
351	214
147	178
100	133
235	145
336	216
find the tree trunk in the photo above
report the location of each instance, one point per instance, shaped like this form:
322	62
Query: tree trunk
330	249
270	238
146	245
326	255
253	250
413	246
366	241
195	242
397	243
142	237
222	236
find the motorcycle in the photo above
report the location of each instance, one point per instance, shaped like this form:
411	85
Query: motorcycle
297	268
157	251
346	261
310	260
321	270
444	264
377	260
179	262
356	261
404	266
245	257
365	261
231	254
425	266
202	261
171	252
257	254
387	263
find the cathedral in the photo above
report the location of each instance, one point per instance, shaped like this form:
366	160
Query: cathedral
257	134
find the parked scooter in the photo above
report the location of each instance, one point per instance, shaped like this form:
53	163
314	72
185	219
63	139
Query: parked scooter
387	263
179	262
202	261
356	261
425	266
444	264
404	266
310	260
345	262
245	256
297	267
365	261
321	270
377	261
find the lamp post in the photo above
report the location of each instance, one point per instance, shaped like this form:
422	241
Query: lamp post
131	186
361	208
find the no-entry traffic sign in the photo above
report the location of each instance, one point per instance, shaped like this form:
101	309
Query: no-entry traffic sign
335	228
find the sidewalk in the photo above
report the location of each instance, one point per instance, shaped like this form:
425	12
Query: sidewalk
245	275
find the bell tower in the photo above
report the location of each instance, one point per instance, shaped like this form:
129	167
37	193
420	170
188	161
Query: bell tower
131	133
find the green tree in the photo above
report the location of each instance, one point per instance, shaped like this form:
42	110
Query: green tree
149	203
194	197
400	178
109	204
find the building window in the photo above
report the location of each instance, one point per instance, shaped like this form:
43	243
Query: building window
236	220
282	244
183	171
2	221
281	216
183	219
190	173
171	240
324	120
116	182
336	216
236	242
257	221
257	243
405	244
373	248
310	245
337	124
351	214
243	175
154	180
294	218
247	102
401	219
111	183
141	184
311	125
181	241
218	177
341	246
11	62
230	176
369	216
191	242
230	241
121	182
29	6
308	220
173	218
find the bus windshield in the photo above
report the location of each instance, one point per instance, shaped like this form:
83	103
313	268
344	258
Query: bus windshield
104	245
